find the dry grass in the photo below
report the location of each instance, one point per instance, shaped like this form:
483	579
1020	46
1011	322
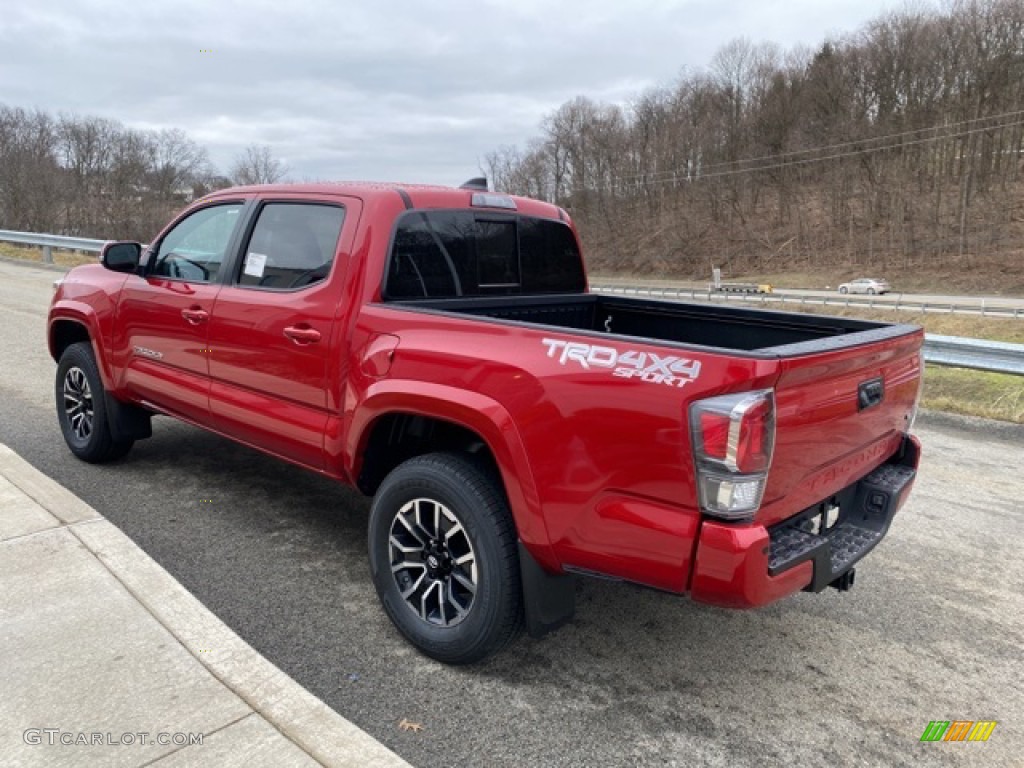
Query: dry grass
60	257
974	393
971	326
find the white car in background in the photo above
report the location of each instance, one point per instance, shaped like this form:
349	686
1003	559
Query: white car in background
867	285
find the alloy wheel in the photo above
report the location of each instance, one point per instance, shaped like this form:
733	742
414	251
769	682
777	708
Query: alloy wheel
78	403
433	562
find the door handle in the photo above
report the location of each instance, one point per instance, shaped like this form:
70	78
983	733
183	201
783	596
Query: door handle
195	316
302	335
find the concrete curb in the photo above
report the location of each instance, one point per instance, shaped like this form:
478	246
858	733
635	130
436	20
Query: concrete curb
306	721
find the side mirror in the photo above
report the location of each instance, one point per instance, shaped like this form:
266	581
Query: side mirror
121	255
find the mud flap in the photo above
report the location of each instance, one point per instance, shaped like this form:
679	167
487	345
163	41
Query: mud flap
548	601
127	421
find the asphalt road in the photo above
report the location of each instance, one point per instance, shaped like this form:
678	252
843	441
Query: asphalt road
933	629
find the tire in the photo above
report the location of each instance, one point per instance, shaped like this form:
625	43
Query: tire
460	597
871	291
81	407
843	289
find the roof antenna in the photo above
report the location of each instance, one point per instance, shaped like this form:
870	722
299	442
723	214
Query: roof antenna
478	183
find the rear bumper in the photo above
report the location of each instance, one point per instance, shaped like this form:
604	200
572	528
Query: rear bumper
749	566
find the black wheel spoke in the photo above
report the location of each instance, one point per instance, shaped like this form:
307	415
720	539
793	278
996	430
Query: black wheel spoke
464	581
78	406
415	586
433	562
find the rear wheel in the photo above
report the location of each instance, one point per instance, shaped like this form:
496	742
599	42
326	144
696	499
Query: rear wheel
871	291
443	557
843	289
81	409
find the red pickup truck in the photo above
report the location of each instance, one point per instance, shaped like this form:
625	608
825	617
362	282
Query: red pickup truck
438	349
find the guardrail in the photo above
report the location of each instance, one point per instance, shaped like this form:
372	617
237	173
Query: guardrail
49	242
958	352
999	357
985	309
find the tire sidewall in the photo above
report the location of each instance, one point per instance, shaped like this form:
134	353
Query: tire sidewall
472	637
80	356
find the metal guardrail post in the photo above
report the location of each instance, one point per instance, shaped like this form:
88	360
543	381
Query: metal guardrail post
47	255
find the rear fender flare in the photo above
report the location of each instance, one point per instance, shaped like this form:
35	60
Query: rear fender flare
473	411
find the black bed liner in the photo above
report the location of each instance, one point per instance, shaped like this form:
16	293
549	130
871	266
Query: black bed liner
742	330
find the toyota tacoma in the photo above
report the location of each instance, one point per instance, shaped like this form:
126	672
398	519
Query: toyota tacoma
438	349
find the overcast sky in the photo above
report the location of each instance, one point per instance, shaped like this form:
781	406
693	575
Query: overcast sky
387	90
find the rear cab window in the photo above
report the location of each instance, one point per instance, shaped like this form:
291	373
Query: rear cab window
448	254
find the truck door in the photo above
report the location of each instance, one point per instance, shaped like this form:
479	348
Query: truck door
162	319
271	330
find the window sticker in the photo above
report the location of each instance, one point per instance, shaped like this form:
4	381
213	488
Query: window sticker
255	264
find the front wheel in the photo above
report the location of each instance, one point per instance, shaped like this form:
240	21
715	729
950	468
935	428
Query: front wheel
443	557
871	291
81	409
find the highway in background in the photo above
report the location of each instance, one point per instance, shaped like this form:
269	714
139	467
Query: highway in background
932	630
931	302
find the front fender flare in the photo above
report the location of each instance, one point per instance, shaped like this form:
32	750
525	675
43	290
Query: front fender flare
67	310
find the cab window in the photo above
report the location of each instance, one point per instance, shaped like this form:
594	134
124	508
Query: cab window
194	249
292	246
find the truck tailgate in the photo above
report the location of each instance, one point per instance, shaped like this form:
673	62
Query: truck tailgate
840	414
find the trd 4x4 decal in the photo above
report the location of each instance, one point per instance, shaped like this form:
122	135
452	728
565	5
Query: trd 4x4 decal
646	366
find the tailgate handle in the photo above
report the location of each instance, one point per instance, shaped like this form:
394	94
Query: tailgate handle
870	393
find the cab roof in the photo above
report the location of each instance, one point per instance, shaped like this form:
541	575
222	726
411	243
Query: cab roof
419	196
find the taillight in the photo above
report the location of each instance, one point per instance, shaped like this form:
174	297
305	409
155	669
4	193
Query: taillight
912	416
733	438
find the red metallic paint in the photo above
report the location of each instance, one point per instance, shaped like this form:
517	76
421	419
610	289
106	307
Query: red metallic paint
731	568
598	469
731	563
87	296
150	316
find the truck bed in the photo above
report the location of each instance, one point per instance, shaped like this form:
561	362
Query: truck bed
743	330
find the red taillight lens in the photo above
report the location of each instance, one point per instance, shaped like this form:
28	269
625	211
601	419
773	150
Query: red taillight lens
714	431
754	448
733	437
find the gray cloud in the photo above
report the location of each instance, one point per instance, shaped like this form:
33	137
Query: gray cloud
388	90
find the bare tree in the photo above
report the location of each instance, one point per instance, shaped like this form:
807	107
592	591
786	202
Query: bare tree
29	172
177	163
900	144
257	165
